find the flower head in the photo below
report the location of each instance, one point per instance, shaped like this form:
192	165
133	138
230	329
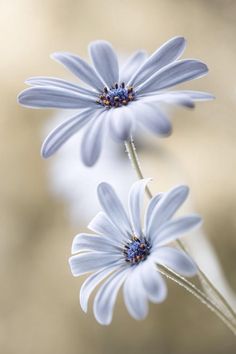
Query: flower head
117	100
123	253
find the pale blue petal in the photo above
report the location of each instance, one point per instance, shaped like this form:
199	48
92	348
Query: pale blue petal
173	229
166	208
153	282
102	225
163	56
88	242
135	201
176	260
64	131
121	123
91	283
194	95
180	99
80	68
106	296
105	61
92	261
151	117
135	296
131	65
91	144
150	208
173	74
55	82
112	206
52	97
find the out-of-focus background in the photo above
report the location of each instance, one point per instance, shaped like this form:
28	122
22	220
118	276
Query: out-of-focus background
43	204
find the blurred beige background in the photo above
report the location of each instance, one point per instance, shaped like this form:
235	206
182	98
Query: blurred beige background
39	297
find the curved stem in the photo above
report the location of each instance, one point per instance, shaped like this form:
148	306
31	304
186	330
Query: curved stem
190	287
131	150
203	278
230	322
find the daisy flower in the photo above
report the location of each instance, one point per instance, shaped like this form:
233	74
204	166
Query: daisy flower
116	100
122	253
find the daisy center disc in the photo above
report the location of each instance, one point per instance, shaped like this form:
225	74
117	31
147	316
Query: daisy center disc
116	96
137	250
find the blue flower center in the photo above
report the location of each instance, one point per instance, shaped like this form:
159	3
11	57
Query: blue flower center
137	250
116	96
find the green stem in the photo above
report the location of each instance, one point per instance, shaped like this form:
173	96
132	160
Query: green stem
203	278
190	287
131	150
230	322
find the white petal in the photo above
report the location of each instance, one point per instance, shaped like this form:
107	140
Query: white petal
80	68
54	97
91	144
92	261
173	74
135	296
171	230
194	95
64	131
135	201
153	282
131	65
150	116
102	225
105	61
88	242
166	208
180	99
166	54
106	296
150	208
90	284
121	123
113	208
175	259
55	82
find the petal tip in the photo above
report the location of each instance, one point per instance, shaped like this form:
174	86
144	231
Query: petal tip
168	131
183	189
20	97
71	265
57	55
101	187
180	39
102	321
198	220
45	153
165	131
193	272
83	306
74	249
53	56
204	67
98	42
211	97
89	162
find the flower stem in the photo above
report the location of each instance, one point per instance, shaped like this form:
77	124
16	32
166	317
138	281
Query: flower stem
219	305
206	283
131	150
190	287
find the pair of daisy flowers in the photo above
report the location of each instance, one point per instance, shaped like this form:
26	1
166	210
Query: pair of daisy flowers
118	101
